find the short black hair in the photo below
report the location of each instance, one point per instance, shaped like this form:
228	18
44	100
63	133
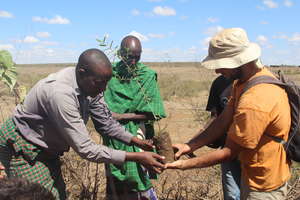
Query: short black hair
92	56
89	57
17	188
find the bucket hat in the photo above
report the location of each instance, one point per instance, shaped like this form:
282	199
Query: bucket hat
230	48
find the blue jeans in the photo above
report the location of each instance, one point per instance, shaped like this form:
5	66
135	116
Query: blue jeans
231	179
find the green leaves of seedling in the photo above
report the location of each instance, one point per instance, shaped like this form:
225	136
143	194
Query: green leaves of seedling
108	47
8	73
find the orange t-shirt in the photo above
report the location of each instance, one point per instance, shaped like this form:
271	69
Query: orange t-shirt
262	110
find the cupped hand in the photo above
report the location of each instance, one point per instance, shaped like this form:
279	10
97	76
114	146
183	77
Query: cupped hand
152	161
149	160
181	149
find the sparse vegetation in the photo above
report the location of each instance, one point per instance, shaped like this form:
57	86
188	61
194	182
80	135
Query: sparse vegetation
184	87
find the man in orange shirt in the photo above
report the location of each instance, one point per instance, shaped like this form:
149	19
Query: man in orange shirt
249	119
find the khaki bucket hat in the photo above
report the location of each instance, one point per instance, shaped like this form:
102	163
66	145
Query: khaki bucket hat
230	49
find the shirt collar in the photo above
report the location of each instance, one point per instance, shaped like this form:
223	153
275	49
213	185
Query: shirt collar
75	85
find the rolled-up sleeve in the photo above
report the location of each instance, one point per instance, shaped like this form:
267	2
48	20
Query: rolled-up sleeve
64	110
104	123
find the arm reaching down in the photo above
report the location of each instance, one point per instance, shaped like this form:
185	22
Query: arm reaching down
150	160
214	130
132	116
229	152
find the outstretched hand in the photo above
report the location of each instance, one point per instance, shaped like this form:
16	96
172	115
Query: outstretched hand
179	164
150	160
146	145
181	149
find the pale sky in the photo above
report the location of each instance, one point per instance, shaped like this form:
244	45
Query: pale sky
171	30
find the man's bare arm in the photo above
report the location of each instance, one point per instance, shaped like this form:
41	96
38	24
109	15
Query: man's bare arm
229	152
215	129
133	116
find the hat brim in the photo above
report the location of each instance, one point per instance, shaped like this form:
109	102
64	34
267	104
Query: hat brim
253	52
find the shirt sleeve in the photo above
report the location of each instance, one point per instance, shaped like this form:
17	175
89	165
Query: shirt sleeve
64	110
104	123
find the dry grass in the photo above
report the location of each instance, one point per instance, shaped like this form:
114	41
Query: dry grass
184	87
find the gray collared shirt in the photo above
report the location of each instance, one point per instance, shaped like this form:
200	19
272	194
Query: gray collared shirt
54	115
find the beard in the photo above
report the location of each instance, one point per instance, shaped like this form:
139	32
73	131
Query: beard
237	74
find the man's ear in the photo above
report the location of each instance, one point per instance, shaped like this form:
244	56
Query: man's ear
82	71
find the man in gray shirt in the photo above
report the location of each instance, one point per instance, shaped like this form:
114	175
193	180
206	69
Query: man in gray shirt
52	119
